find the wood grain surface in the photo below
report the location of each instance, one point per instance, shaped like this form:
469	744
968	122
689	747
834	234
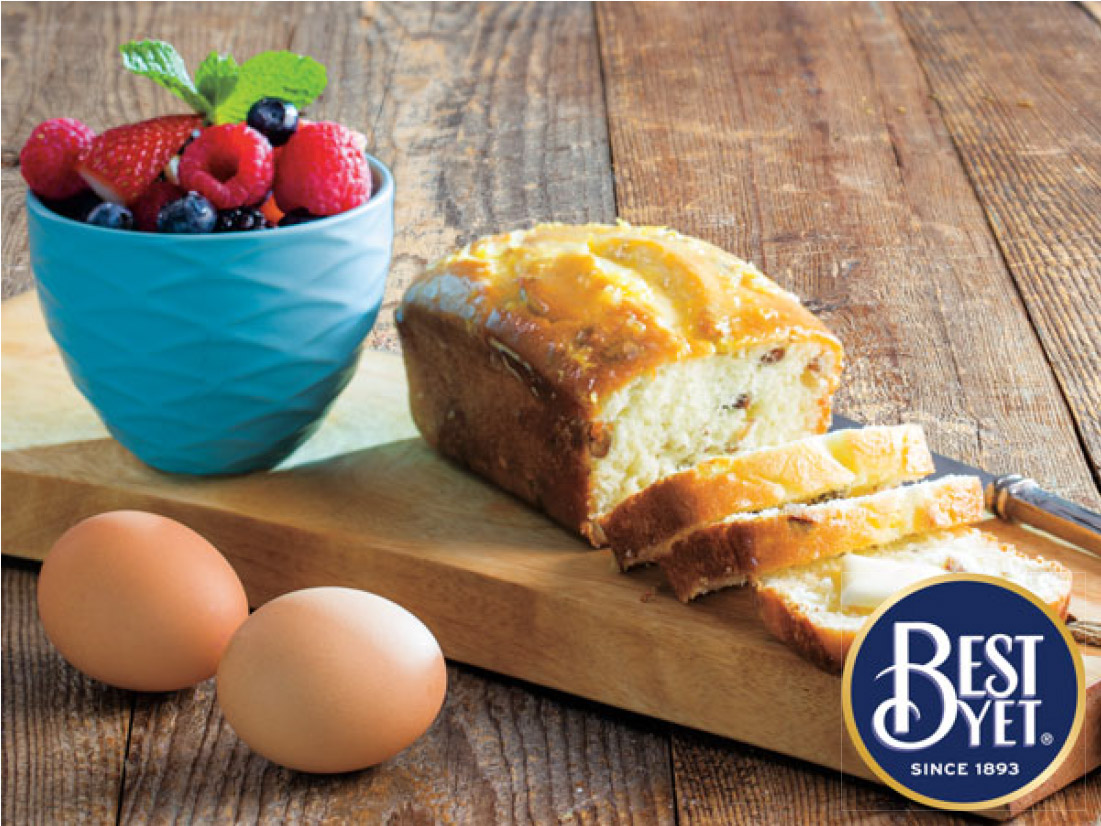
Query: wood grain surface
1020	91
64	738
926	175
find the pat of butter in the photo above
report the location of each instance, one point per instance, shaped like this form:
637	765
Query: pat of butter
867	581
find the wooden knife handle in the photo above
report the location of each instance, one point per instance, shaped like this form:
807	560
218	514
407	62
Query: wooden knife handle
1018	498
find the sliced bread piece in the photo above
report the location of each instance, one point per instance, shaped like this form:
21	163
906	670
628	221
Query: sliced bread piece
843	463
753	544
818	608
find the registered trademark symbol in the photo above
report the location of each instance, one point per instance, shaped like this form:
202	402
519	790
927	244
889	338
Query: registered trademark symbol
1046	739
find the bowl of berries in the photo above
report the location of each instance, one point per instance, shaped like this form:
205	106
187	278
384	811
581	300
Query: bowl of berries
209	278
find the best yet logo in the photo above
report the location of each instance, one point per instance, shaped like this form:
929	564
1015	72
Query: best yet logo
964	693
990	706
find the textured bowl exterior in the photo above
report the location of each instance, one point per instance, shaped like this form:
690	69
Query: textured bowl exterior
213	354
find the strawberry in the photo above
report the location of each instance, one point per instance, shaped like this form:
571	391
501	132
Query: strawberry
122	162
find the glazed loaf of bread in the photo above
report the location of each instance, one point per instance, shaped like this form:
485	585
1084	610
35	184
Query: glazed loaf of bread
576	365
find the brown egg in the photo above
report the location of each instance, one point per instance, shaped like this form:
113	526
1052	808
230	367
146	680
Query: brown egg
331	680
139	601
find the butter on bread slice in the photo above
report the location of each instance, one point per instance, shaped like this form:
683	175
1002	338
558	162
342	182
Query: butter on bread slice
854	462
806	606
867	581
754	544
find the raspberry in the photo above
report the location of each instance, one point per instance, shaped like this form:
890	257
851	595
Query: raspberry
48	158
322	170
231	165
152	201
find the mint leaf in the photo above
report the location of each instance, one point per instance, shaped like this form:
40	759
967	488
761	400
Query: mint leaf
291	77
216	78
159	61
223	91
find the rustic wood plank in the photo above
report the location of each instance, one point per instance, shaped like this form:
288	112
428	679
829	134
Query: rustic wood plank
1020	89
64	735
721	782
804	137
499	753
13	235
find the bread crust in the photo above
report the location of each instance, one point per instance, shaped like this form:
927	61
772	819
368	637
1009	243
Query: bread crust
704	559
512	344
523	436
828	647
825	647
643	528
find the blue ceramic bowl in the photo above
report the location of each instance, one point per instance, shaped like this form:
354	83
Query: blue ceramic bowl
213	354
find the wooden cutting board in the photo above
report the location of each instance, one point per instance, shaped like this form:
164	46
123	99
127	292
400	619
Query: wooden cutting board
366	503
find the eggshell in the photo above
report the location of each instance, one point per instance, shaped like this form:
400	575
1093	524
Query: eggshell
139	601
331	680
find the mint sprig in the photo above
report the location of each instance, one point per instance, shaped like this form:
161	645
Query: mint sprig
223	91
160	62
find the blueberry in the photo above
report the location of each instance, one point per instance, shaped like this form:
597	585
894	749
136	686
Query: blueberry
241	219
298	216
111	216
275	119
192	213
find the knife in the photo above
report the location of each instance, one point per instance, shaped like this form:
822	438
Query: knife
1017	498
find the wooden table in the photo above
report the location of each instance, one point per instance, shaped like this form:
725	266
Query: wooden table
928	177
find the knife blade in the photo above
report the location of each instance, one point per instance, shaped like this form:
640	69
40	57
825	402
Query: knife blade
1017	498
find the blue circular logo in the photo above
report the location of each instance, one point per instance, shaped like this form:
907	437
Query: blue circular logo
964	693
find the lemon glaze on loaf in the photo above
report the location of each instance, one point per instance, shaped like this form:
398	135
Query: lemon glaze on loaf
576	365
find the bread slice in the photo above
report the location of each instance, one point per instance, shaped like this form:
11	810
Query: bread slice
743	545
843	463
803	605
